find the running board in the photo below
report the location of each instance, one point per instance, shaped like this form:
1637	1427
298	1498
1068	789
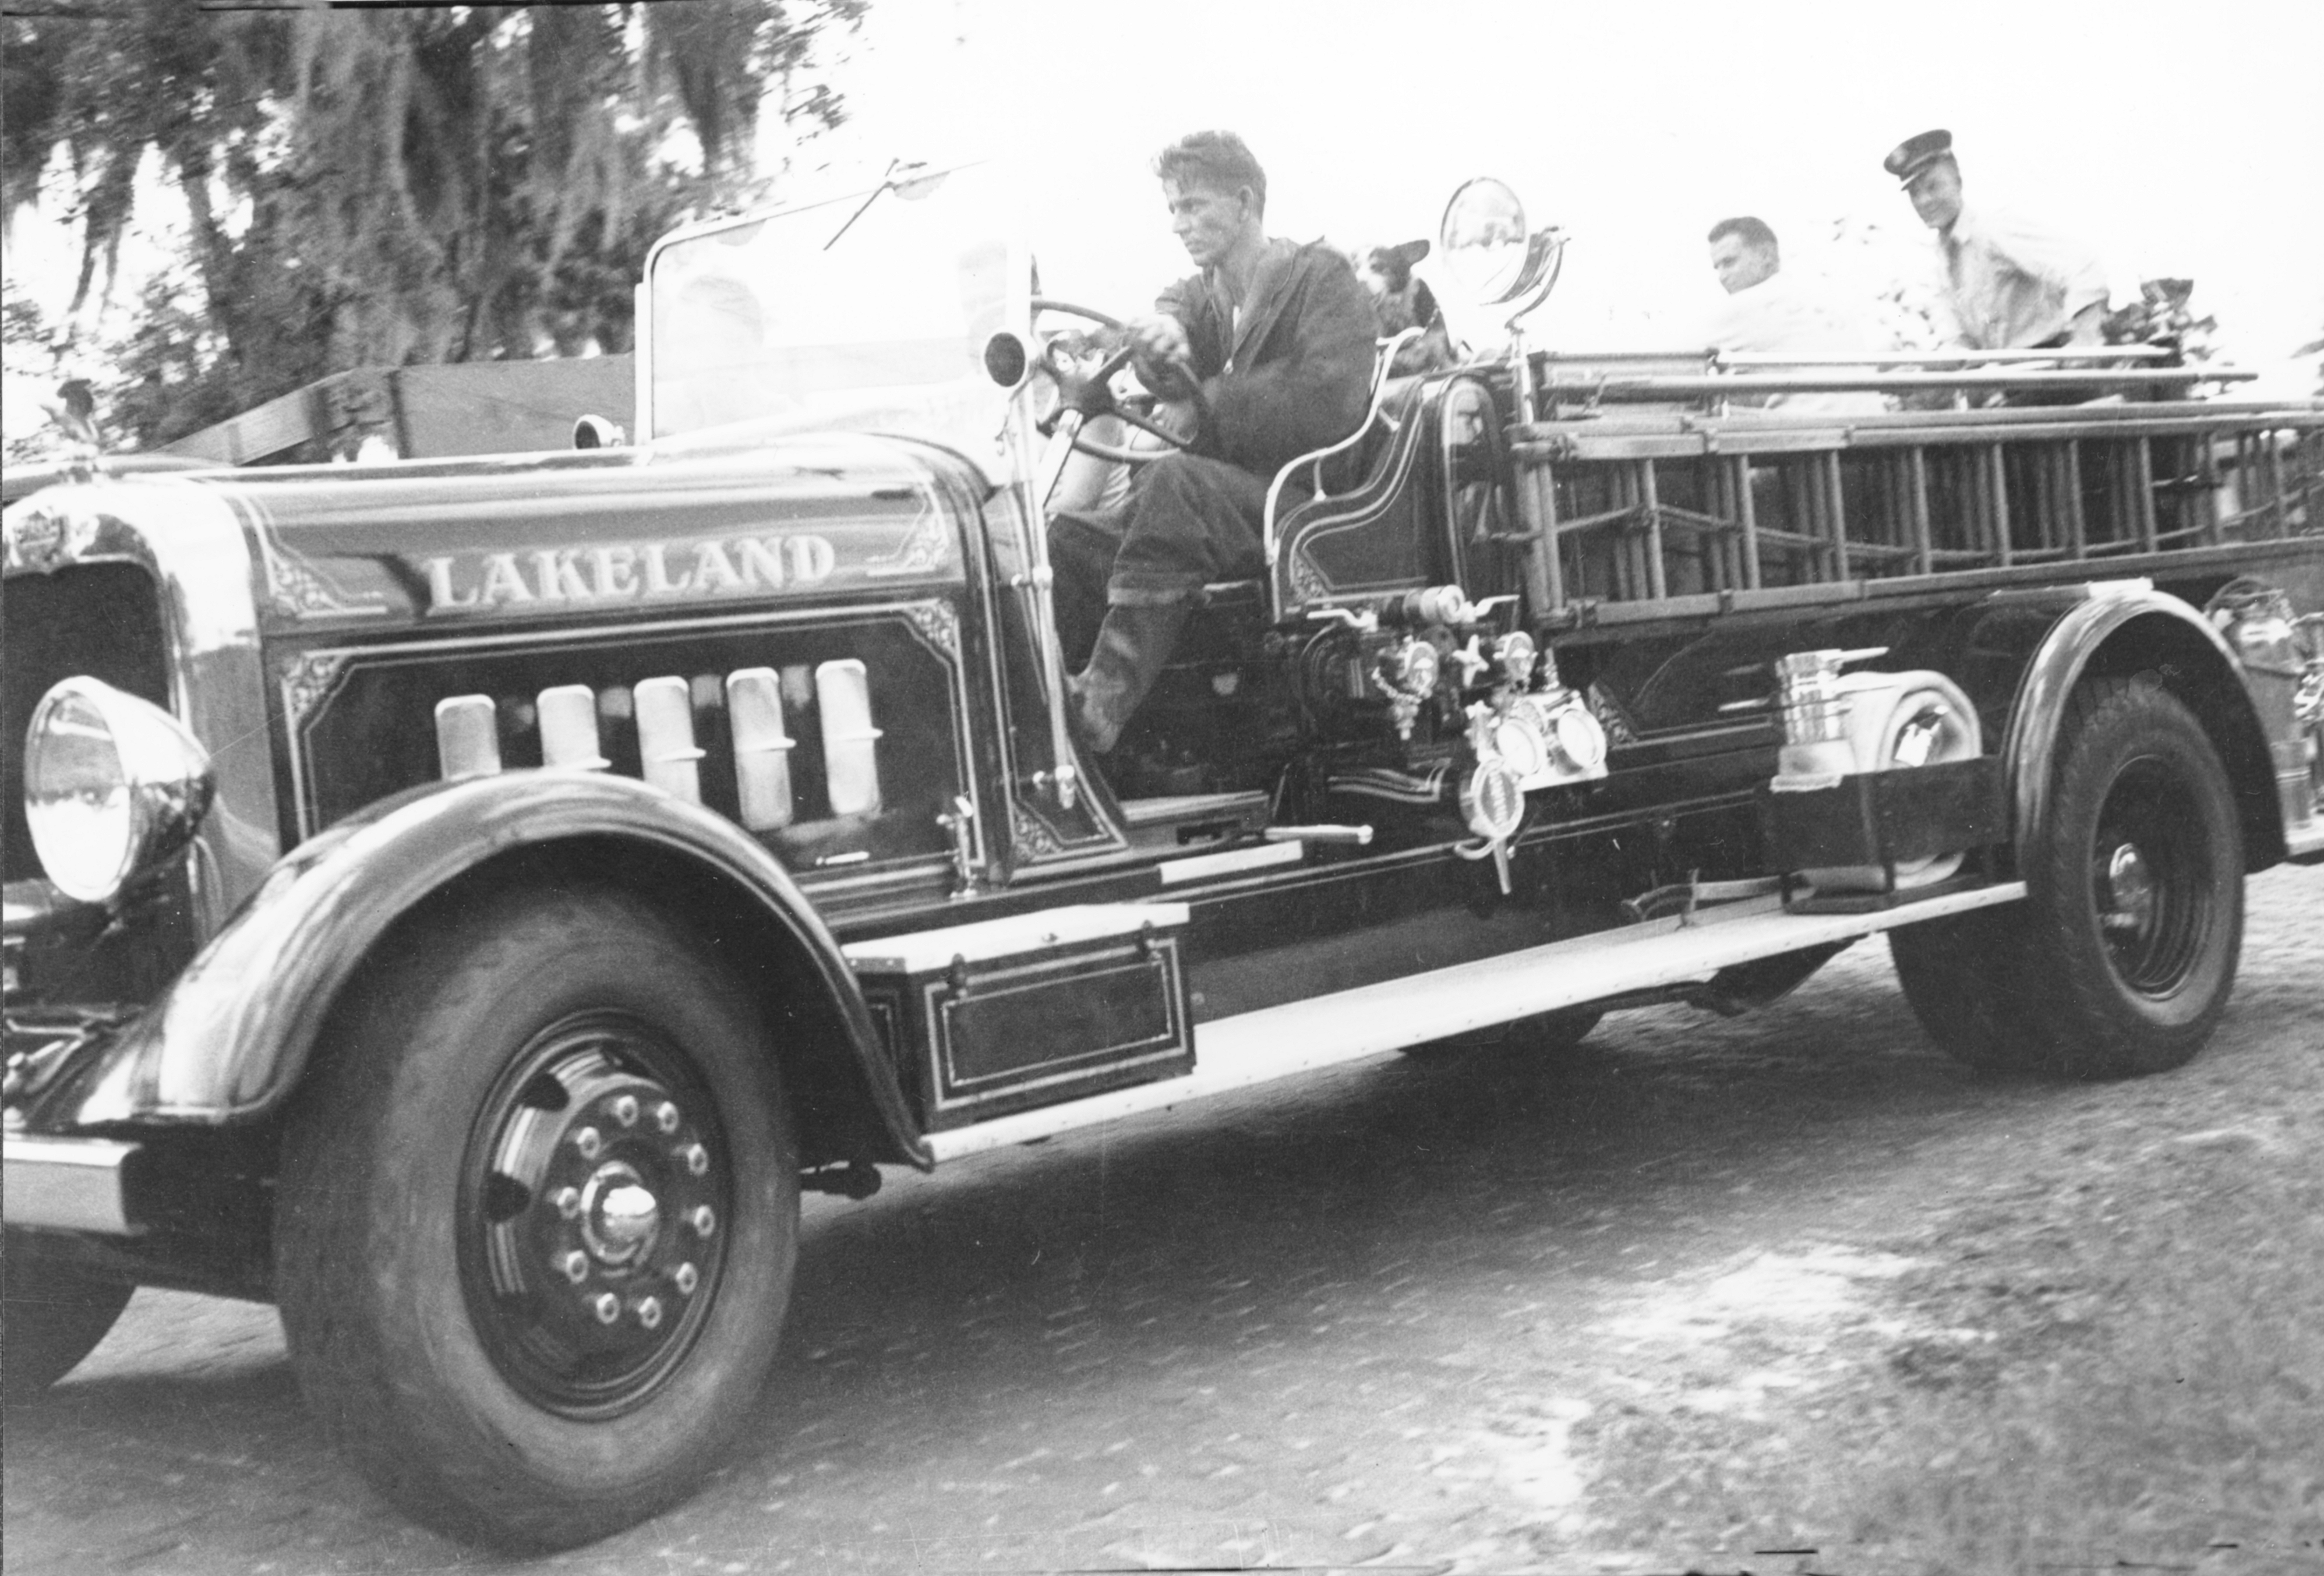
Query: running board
1305	1036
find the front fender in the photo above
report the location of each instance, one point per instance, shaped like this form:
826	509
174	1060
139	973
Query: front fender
230	1038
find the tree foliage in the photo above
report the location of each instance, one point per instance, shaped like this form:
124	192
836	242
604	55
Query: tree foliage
393	186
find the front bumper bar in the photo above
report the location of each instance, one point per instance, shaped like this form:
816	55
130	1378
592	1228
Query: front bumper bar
67	1184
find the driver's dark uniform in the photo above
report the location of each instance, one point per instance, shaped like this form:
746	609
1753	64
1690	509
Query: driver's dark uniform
1289	373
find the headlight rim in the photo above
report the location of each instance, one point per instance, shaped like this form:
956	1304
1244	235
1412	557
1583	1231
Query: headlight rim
163	771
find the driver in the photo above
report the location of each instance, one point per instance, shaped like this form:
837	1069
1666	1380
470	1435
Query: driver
1271	344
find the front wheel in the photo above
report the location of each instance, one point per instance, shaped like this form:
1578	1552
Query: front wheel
539	1213
55	1313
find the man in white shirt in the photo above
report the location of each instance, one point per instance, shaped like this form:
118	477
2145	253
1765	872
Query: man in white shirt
2011	283
1767	312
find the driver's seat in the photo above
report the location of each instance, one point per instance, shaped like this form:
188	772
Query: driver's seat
1314	464
1212	651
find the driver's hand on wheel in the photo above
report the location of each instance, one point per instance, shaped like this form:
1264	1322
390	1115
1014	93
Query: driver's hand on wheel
1165	358
1160	338
1092	396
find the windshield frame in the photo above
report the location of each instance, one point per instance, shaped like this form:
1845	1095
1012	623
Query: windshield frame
980	428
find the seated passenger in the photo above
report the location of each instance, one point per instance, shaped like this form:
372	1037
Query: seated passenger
1768	312
1272	344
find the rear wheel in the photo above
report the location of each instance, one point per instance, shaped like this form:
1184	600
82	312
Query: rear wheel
1959	975
2135	908
2122	958
55	1313
539	1219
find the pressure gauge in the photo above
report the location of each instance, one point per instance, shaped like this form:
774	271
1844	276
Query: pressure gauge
1518	739
1581	738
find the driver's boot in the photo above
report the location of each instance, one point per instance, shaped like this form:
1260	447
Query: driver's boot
1133	642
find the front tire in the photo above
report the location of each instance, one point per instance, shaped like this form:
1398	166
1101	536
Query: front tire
55	1313
539	1213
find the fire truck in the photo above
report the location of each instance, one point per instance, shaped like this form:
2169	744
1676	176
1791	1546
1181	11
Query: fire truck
465	902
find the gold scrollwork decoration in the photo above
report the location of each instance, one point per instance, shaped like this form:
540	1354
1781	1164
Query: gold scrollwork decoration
1306	584
297	589
925	549
1033	836
939	625
308	678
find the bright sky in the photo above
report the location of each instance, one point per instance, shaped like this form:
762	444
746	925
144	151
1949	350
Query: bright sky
2176	141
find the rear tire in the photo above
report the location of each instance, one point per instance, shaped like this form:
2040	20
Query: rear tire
503	1299
2136	890
1959	975
2121	960
52	1315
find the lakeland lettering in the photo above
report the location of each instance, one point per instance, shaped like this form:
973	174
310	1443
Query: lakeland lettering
585	576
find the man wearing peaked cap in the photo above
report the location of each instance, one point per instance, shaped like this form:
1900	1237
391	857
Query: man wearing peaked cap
1914	154
2011	283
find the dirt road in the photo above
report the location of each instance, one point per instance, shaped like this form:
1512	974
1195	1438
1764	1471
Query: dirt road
1602	1311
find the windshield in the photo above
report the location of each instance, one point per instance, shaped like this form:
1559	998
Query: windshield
869	312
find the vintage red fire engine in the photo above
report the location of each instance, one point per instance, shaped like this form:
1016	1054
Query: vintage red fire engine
465	903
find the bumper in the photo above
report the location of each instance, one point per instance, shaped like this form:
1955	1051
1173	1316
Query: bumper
67	1184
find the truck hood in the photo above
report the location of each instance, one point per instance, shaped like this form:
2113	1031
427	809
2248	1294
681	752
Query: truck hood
714	520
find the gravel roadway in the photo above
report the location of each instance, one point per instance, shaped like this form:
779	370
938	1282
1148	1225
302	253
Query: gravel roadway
1441	1315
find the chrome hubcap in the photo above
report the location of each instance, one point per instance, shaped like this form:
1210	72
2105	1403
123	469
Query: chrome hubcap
2131	885
620	1214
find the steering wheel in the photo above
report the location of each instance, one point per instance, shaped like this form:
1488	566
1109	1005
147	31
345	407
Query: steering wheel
1092	393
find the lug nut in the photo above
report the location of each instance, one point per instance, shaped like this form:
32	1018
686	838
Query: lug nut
696	1158
568	1201
703	1219
576	1266
587	1141
666	1117
688	1277
649	1312
606	1306
625	1109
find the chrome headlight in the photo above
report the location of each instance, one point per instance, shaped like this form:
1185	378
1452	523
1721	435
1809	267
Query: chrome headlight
114	788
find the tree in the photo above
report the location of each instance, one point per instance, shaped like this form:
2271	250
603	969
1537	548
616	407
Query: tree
25	348
393	186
